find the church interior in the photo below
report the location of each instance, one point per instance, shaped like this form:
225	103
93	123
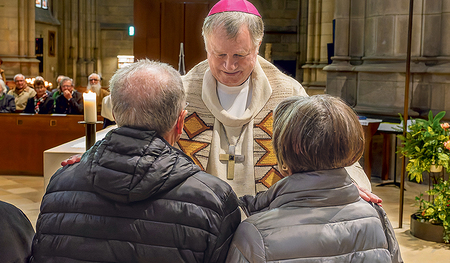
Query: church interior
353	49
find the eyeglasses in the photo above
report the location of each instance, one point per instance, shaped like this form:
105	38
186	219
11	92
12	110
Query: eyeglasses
94	80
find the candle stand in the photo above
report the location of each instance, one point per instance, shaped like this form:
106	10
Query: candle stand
90	132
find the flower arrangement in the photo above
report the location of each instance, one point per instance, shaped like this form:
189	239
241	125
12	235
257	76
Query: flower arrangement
438	210
426	143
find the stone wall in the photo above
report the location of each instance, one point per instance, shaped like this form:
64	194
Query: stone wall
17	38
284	41
368	69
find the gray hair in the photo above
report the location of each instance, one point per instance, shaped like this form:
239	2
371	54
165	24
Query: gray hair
18	75
232	22
3	86
95	74
147	95
66	79
316	133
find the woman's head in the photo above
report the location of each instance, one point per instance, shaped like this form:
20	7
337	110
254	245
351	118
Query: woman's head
39	87
316	133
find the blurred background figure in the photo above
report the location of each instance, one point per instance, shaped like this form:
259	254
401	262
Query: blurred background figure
7	104
42	103
70	101
21	92
95	85
57	90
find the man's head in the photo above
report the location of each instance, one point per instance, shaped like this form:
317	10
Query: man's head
66	84
58	81
148	95
39	87
94	83
232	40
19	79
316	133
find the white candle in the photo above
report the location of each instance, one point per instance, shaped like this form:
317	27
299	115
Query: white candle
90	107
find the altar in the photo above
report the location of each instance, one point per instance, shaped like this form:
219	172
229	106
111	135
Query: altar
54	156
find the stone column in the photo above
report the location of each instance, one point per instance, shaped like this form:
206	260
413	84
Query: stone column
432	25
18	42
81	59
310	43
342	31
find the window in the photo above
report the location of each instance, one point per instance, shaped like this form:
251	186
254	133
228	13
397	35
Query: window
124	61
42	4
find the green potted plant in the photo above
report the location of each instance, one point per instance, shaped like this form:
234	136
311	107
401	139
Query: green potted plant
426	144
435	212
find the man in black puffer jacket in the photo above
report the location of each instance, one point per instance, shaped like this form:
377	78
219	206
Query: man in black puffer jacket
133	197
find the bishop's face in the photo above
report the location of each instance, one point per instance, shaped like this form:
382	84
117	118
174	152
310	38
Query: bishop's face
231	61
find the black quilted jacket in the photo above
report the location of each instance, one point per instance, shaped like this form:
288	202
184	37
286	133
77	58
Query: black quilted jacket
135	198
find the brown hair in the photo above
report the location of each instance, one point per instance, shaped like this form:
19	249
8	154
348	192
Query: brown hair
316	133
38	82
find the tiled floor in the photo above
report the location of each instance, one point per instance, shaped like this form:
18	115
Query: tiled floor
26	193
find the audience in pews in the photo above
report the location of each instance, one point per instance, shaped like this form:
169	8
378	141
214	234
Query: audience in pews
95	85
21	92
133	197
16	234
7	103
70	101
314	214
42	103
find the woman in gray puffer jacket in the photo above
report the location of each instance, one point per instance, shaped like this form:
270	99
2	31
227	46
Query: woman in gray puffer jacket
315	213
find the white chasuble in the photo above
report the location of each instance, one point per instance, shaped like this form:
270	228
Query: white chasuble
210	130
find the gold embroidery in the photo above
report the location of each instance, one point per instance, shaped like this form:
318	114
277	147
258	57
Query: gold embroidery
267	124
191	148
269	158
193	125
270	178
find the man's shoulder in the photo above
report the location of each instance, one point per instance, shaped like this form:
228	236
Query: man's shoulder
214	190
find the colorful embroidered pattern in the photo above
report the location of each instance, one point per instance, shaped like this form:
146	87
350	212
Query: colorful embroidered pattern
270	178
190	148
269	158
193	125
267	124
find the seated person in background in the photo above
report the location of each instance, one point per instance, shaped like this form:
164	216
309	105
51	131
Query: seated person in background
21	92
7	104
16	234
133	197
42	103
57	91
95	85
315	213
70	101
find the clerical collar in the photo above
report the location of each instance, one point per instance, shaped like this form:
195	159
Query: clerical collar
235	100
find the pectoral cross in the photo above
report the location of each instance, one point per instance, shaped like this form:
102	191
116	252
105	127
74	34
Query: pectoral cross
232	158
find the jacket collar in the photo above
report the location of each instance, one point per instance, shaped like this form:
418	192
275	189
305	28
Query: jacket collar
130	165
310	189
